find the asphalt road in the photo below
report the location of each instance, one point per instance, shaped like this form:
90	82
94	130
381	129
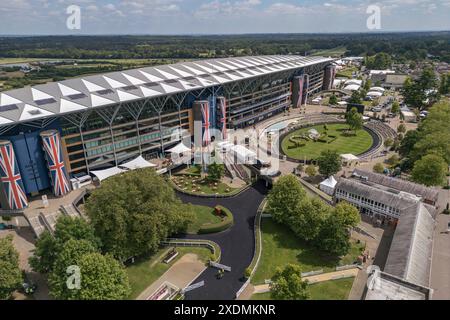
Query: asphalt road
237	243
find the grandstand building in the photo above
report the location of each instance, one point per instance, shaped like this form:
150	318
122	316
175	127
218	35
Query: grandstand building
52	132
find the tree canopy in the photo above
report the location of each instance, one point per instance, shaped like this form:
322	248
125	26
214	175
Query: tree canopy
287	284
101	276
215	171
431	170
311	219
48	247
329	163
133	212
354	119
10	273
419	93
285	197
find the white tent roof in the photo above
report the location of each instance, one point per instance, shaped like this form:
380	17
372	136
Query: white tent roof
137	163
354	81
374	94
104	174
352	87
349	156
343	103
179	148
377	89
330	182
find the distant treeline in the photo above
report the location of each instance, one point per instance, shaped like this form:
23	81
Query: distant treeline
402	46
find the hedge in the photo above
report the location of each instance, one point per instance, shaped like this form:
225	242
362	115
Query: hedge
226	223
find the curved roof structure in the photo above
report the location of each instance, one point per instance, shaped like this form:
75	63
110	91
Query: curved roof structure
78	94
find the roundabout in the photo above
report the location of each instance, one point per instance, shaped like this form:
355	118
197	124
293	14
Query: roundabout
308	142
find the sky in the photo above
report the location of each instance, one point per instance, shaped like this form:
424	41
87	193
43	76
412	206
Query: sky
36	17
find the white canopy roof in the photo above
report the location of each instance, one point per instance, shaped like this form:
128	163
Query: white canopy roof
343	103
374	94
330	182
179	148
349	156
352	87
377	89
105	174
137	163
354	81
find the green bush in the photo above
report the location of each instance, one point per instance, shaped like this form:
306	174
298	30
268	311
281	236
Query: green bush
226	223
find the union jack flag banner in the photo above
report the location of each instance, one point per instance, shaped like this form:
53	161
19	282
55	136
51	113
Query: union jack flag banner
206	122
300	91
11	178
223	116
53	152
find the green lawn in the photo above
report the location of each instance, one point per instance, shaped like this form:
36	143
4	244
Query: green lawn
203	216
347	72
334	52
355	144
280	246
147	270
327	290
194	184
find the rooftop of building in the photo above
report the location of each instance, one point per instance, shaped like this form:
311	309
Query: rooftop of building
399	184
389	287
382	194
78	94
411	248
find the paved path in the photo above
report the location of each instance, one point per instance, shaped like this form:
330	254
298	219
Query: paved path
316	278
237	243
181	274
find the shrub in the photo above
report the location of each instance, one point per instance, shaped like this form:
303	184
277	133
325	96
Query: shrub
226	223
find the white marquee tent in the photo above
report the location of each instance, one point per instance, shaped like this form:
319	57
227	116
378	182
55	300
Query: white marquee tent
137	163
179	148
328	185
105	174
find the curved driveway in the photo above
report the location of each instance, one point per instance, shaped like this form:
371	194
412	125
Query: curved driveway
237	243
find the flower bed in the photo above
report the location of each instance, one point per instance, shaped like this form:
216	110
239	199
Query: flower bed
227	221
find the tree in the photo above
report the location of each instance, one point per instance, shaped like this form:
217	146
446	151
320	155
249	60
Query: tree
430	170
133	212
347	214
69	255
354	119
444	87
308	218
334	236
215	171
380	61
378	168
48	247
10	273
401	128
393	160
408	142
434	133
388	143
395	109
333	100
102	278
329	163
367	84
311	171
285	197
416	92
355	98
287	284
